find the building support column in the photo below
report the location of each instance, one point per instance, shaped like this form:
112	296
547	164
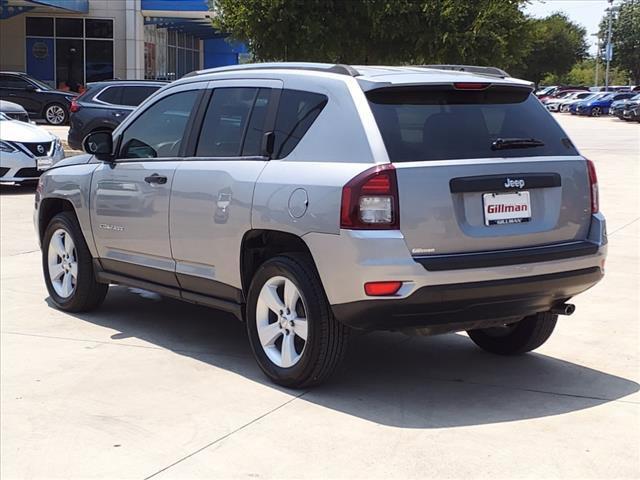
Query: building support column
134	40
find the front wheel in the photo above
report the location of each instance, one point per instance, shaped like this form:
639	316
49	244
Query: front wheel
516	338
55	114
68	266
596	112
294	336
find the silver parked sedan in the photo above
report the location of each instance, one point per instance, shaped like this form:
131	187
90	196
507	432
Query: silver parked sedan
26	150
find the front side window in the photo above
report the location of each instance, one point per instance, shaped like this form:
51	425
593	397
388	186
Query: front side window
134	96
11	81
158	131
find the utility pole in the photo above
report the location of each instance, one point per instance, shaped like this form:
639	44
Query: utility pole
597	35
608	46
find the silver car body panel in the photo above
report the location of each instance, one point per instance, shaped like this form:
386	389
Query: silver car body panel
383	256
194	225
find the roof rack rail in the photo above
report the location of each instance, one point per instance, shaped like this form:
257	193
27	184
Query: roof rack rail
491	71
317	67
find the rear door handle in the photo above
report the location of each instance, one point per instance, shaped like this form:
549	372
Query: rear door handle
156	179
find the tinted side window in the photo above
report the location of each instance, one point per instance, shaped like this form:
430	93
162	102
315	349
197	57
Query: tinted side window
255	131
297	111
158	131
11	81
224	124
134	96
110	95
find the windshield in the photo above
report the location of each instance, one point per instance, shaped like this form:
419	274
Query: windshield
544	90
39	84
420	124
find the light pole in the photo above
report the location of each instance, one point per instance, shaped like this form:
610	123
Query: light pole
597	35
608	47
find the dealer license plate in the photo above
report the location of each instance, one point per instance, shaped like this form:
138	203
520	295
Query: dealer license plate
44	163
506	208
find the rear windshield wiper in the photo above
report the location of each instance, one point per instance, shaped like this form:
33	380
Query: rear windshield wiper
508	143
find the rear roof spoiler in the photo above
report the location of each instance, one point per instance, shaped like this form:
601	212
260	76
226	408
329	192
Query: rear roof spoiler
491	71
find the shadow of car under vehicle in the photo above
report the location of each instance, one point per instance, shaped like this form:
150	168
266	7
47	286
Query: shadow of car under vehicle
387	378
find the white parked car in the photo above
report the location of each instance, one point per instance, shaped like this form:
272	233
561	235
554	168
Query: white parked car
26	150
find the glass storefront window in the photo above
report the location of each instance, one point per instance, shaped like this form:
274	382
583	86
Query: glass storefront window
99	60
69	64
97	28
82	48
39	27
69	27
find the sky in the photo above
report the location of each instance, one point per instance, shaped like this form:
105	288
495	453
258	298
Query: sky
587	13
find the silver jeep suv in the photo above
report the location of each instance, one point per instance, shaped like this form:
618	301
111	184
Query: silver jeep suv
312	200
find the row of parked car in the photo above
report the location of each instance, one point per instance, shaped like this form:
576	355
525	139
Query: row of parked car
623	103
26	149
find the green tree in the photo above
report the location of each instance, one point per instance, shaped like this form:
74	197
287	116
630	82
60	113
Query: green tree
583	73
377	31
625	37
555	45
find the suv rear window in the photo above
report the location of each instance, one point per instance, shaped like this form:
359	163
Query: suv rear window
420	124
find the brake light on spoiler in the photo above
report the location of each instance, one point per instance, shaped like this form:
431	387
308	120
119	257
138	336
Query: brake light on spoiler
471	85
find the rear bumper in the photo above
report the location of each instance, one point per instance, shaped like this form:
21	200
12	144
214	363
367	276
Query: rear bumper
74	138
455	306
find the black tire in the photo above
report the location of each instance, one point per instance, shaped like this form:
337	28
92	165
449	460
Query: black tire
327	338
65	114
522	337
88	293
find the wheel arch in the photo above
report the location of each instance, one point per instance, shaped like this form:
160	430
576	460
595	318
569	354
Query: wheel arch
49	208
259	245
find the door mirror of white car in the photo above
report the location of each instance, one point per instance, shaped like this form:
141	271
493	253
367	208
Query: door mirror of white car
99	144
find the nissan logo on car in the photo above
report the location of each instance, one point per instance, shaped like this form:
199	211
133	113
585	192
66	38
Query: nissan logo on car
40	149
517	183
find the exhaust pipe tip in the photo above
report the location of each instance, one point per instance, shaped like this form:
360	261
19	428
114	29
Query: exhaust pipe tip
564	309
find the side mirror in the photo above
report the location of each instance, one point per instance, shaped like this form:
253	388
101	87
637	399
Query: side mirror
30	88
99	144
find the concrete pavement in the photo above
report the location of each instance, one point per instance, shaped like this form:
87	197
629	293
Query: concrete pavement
153	388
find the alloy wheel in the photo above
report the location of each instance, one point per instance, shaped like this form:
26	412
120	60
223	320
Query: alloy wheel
595	112
55	115
281	321
63	263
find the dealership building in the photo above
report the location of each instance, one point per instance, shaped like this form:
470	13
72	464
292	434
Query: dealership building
69	43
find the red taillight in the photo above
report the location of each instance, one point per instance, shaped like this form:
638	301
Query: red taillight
370	200
593	187
471	85
74	106
380	289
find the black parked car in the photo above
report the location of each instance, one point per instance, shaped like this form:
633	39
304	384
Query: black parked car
105	104
38	98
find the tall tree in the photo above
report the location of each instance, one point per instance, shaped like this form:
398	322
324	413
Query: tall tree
555	44
377	31
625	38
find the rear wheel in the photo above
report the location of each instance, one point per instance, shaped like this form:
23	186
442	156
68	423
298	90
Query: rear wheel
56	114
521	337
68	266
294	336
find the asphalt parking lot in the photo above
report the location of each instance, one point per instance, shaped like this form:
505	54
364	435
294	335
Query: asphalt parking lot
149	387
